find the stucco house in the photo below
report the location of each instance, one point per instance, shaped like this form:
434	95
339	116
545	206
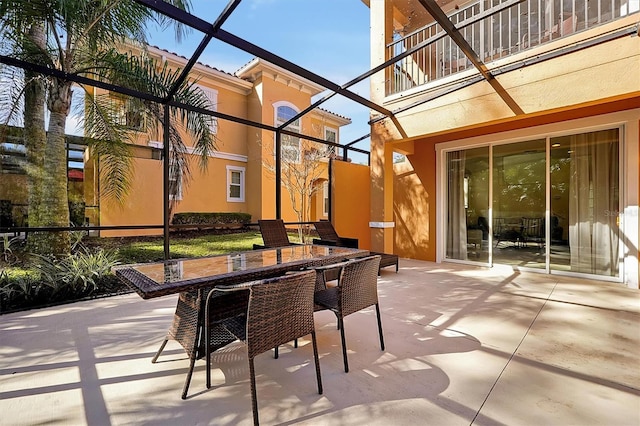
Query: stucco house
240	174
519	122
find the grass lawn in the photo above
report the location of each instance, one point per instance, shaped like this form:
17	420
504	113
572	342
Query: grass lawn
151	249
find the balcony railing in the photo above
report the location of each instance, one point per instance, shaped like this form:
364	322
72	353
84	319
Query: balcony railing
524	25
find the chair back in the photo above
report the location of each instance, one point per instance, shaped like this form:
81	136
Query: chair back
274	234
498	226
280	310
358	284
326	231
533	227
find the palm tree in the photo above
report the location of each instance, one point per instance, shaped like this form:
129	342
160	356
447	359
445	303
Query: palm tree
80	37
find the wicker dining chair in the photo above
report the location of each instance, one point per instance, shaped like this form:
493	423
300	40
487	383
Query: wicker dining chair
187	326
274	234
280	310
357	289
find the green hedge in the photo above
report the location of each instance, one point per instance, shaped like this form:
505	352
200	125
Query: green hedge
211	218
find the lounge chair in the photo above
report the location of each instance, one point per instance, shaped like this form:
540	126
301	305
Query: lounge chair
274	234
329	236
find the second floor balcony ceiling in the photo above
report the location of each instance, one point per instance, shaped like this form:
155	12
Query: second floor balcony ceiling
517	27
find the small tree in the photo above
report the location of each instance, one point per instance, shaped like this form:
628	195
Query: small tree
299	172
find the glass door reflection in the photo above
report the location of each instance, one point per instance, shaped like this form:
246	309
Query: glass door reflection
519	204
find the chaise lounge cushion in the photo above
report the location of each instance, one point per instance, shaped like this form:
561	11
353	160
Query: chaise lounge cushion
386	260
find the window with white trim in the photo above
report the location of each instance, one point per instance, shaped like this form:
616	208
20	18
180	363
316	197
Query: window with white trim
236	262
125	113
290	144
235	184
175	183
325	198
212	97
330	135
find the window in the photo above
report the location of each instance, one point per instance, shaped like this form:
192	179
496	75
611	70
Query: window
212	97
235	184
125	115
290	144
173	270
325	198
175	183
236	262
330	135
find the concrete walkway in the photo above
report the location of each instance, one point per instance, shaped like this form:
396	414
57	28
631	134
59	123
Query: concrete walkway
464	346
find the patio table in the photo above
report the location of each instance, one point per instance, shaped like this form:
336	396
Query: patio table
193	278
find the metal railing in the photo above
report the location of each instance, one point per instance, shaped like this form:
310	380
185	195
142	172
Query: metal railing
522	26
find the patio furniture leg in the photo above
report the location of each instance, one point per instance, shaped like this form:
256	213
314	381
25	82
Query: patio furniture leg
187	381
155	358
380	326
317	361
195	351
254	396
344	345
207	346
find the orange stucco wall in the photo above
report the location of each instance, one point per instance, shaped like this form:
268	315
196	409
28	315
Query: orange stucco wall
142	206
414	204
350	201
249	94
268	91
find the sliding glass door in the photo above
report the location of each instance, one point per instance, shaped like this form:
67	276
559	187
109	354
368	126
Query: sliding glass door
467	215
519	200
585	202
549	203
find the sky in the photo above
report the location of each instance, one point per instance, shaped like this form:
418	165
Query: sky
327	37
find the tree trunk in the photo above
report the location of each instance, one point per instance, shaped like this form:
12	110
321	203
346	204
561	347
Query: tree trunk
54	192
35	139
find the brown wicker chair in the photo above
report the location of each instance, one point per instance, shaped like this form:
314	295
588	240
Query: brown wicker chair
187	325
274	234
279	311
357	289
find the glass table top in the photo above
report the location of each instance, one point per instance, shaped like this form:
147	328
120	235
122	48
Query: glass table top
175	271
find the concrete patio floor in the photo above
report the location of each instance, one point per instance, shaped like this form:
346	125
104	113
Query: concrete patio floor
464	346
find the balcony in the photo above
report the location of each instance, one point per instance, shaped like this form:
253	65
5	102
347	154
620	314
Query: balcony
514	29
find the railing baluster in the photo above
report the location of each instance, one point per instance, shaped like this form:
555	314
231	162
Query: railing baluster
512	30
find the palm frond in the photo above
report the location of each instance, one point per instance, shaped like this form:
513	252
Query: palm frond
100	23
180	30
145	74
199	125
110	143
12	86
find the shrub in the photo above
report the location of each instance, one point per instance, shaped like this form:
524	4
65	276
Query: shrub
8	244
19	288
78	272
76	212
211	219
